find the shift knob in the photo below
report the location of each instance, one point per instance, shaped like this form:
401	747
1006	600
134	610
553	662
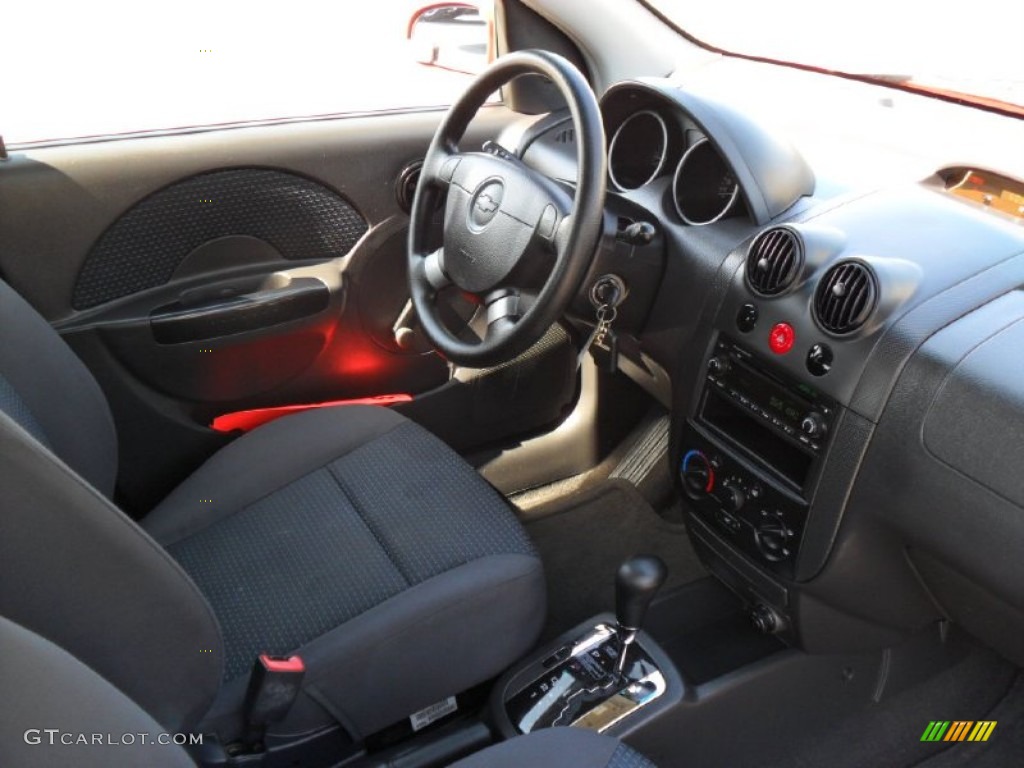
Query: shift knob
636	584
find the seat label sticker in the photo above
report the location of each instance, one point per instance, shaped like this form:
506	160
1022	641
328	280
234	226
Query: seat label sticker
433	713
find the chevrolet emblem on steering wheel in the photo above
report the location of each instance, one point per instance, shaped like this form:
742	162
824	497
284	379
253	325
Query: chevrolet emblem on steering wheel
486	203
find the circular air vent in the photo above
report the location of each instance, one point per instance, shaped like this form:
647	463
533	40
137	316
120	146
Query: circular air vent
405	185
845	297
774	261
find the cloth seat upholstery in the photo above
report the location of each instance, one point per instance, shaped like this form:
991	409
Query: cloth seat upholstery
348	534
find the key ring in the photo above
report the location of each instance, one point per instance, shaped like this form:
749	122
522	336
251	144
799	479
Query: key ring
606	314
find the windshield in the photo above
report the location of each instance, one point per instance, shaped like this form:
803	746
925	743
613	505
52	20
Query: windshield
962	47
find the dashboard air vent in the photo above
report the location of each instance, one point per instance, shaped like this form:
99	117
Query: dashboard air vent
845	297
774	261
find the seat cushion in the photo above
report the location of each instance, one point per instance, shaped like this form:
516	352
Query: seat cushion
558	748
359	539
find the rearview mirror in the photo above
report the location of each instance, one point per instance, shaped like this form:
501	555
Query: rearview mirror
452	36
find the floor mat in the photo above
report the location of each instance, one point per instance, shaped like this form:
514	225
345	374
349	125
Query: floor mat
584	539
1005	745
888	734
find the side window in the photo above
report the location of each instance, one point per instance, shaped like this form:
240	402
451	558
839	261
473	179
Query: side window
108	67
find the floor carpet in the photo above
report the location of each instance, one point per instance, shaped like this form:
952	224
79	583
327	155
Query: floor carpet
583	540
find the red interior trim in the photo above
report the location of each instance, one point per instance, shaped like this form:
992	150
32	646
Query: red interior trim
246	420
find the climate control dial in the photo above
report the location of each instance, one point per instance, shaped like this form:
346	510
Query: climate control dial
733	498
698	474
773	537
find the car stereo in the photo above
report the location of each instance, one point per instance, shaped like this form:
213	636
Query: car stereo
793	411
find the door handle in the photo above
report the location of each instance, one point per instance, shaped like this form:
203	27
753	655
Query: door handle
179	323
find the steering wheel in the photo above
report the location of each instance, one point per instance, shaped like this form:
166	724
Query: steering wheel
515	241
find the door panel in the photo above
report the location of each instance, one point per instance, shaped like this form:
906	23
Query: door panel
221	271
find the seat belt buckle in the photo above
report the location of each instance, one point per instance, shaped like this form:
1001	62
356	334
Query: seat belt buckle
273	687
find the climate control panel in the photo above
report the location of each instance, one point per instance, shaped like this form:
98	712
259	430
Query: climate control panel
751	512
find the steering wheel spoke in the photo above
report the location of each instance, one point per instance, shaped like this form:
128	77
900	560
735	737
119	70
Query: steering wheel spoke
506	304
433	270
439	168
427	277
503	311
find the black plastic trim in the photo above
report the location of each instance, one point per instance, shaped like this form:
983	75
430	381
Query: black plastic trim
302	297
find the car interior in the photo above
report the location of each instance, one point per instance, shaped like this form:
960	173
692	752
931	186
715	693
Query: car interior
665	411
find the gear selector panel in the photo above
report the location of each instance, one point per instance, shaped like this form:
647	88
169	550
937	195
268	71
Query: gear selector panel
579	684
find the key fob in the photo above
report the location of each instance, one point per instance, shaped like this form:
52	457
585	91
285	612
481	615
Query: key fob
606	352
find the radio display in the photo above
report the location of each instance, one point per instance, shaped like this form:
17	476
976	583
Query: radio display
770	396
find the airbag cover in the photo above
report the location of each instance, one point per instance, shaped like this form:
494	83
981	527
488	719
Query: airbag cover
976	423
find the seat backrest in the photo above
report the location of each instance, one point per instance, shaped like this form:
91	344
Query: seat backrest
54	707
80	573
74	569
50	392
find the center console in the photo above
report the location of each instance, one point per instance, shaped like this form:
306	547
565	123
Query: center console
751	454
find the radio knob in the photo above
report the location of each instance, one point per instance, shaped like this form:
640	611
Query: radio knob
813	424
718	366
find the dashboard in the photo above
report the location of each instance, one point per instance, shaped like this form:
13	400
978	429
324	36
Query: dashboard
843	371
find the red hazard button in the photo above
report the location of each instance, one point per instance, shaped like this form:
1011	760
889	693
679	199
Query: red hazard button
781	338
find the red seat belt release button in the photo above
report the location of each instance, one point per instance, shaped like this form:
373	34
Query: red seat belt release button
273	687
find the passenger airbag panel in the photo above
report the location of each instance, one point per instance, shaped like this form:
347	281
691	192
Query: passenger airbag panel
977	417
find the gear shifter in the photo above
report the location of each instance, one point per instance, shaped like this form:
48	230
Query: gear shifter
585	678
636	584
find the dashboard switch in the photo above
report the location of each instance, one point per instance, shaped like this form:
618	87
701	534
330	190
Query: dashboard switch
819	359
781	338
638	233
746	318
718	366
729	522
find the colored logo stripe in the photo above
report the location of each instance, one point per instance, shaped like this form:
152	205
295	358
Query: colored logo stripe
935	730
958	730
982	730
